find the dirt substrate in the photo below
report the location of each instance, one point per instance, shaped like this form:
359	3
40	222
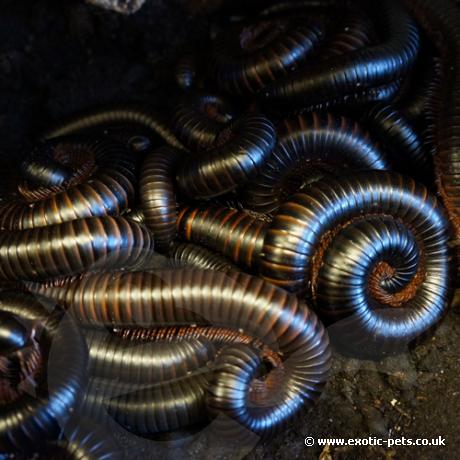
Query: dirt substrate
57	57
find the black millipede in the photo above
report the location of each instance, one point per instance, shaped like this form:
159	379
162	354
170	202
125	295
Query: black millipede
81	439
440	19
305	227
95	119
72	248
374	300
393	130
199	118
416	95
20	356
239	154
250	56
187	255
351	103
107	190
111	357
354	32
149	409
157	194
234	234
32	418
50	163
364	68
186	71
240	302
306	141
55	166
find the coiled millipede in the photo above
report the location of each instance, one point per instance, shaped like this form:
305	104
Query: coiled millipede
241	150
300	243
31	418
274	207
142	299
303	143
107	190
362	69
199	118
439	20
254	55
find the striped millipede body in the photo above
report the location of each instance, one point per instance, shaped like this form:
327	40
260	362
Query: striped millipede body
354	31
98	119
353	102
390	127
389	61
183	255
241	150
149	362
20	357
32	418
426	77
240	302
250	56
72	248
440	19
235	234
82	439
108	190
303	236
303	142
149	409
50	164
199	118
158	199
186	71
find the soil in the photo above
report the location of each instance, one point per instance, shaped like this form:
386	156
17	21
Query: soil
58	57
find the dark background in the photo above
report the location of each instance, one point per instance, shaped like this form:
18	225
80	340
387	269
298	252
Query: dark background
57	57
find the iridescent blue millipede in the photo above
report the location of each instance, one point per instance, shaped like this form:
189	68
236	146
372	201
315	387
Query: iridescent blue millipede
297	246
439	19
240	302
31	419
306	142
362	69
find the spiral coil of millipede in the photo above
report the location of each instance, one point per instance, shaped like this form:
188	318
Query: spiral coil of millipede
164	275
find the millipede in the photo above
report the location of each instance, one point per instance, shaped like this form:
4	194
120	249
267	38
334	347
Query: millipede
157	195
239	154
249	57
30	419
288	325
148	362
183	255
232	233
106	191
73	247
163	273
390	127
298	240
303	142
99	118
81	440
199	118
439	20
389	61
